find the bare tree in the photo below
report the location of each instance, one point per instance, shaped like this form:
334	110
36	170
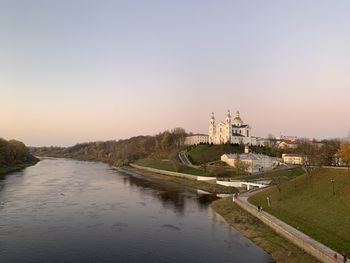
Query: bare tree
241	165
309	153
328	151
344	152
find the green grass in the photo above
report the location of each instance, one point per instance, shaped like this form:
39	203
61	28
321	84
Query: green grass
205	153
279	248
169	165
218	169
308	204
277	175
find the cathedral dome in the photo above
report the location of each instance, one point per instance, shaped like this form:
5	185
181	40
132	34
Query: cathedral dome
237	120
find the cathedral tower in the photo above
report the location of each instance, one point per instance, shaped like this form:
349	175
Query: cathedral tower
228	131
228	117
212	128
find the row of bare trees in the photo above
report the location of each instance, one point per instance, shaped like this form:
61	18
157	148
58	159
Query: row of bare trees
120	152
326	153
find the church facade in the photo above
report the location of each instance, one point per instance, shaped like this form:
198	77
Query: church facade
231	131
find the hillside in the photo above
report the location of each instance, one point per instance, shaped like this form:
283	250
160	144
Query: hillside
14	155
205	153
308	204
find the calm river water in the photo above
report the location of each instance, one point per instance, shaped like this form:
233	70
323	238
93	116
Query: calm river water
70	211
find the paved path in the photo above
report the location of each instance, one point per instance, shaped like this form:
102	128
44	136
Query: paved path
184	159
289	230
336	167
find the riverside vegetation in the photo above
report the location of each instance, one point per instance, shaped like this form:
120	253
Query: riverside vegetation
122	152
14	156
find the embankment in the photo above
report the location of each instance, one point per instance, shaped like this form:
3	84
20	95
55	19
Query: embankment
278	247
183	180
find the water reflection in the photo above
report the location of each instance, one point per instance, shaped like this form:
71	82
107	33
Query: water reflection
70	211
171	195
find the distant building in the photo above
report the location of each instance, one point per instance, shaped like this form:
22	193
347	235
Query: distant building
282	142
265	142
196	139
292	159
231	131
286	144
254	163
287	138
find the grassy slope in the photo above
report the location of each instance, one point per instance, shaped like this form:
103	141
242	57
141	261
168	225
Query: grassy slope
205	153
174	166
208	153
169	166
279	248
283	175
308	204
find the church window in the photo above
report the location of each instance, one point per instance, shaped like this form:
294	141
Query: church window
247	133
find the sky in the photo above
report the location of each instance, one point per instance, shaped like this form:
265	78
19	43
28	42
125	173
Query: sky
88	70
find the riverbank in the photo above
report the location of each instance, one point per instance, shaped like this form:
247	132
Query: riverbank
202	185
16	168
279	248
316	205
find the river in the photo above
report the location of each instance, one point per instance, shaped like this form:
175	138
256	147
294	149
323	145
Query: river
64	210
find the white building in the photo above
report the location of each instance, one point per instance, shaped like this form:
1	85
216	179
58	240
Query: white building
286	144
287	138
264	142
230	132
196	139
253	163
292	159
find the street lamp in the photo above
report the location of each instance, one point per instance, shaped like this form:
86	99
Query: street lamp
332	181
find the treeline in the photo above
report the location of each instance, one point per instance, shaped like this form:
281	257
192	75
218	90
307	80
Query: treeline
13	153
326	153
120	152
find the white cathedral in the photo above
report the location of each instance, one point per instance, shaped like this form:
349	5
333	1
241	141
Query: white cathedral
235	132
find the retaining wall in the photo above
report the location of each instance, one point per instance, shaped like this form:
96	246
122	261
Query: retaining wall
176	174
206	178
158	171
230	183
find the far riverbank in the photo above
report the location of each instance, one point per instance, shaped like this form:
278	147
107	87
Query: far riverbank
16	168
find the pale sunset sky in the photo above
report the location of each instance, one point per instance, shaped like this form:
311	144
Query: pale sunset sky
76	71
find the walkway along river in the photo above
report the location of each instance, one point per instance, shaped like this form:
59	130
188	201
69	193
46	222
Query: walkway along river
70	211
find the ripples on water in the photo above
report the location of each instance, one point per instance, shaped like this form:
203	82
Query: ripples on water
70	211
